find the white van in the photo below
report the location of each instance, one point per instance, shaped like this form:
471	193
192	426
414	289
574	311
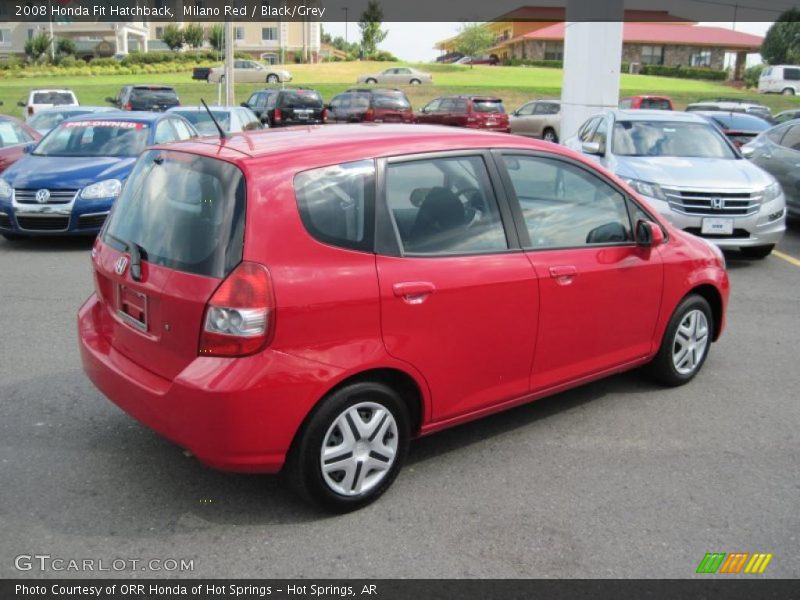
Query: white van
780	79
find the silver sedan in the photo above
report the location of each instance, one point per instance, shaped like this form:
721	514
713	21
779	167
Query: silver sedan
398	76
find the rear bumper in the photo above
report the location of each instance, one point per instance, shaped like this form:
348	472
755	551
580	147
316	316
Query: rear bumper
232	414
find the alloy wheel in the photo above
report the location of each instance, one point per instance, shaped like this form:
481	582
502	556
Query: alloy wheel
690	343
359	449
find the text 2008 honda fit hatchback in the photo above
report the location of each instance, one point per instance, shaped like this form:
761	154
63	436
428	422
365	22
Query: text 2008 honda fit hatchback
310	300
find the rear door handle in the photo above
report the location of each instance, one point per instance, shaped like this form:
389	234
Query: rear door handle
563	275
414	292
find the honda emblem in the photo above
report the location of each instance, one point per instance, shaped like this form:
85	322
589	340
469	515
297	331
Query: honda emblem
718	203
122	264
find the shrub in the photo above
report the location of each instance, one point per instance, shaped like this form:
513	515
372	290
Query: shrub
66	47
38	46
751	75
382	56
104	62
684	72
68	62
173	37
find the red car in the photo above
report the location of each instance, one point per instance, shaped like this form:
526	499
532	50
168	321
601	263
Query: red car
16	139
475	112
647	102
312	299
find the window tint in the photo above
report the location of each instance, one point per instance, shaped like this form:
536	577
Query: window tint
459	105
600	134
588	128
488	106
182	129
547	108
776	133
164	133
300	99
186	212
791	74
337	204
55	98
444	206
433	105
792	138
656	104
528	109
395	100
566	206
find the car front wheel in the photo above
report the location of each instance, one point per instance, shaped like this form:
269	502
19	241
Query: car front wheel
686	343
758	252
788	92
272	78
352	447
415	82
371	80
549	135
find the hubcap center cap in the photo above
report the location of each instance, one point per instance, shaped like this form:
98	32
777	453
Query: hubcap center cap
361	451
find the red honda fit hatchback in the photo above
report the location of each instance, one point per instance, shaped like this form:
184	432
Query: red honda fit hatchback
311	299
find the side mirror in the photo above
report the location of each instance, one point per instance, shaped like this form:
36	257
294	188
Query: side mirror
244	105
21	104
747	151
28	148
649	234
593	148
111	100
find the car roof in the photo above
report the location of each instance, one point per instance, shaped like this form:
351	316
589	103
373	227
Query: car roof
177	109
132	117
656	115
73	108
333	144
61	90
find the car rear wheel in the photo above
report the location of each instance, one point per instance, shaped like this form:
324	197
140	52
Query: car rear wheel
371	80
549	135
758	252
686	343
415	82
352	447
788	92
272	78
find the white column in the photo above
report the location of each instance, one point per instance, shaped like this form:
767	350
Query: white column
145	40
592	59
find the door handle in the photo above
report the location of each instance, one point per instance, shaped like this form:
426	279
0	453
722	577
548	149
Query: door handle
563	275
414	292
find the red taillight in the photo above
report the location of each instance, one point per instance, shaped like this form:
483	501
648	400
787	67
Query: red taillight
30	111
324	115
129	106
369	115
240	317
278	115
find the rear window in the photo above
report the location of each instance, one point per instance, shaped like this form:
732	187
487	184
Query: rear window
54	98
741	122
656	104
155	94
337	204
300	99
185	212
488	106
396	100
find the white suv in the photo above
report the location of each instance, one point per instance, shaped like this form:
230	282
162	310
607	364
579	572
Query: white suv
780	79
39	100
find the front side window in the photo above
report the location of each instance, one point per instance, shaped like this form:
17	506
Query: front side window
432	106
444	206
565	206
337	204
527	109
586	131
792	138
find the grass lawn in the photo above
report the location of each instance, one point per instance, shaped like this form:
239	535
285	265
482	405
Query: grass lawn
515	85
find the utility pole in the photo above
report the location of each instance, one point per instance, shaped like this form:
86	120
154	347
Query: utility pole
52	32
346	41
230	99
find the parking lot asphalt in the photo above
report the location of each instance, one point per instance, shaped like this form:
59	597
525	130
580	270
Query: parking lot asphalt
619	478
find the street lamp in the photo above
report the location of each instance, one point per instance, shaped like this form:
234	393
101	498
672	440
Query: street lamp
344	8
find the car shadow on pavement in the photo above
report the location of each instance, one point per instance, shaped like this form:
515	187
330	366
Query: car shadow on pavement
49	244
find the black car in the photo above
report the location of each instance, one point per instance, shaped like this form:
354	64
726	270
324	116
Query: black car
740	128
376	105
154	98
258	102
296	106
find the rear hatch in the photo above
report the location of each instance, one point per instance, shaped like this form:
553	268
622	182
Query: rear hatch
298	107
390	107
183	215
488	113
153	98
43	100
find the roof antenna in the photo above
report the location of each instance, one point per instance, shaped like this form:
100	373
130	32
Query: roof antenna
222	134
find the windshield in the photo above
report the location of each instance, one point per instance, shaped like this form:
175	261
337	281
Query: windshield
55	98
185	212
203	123
395	100
488	106
301	100
95	138
51	118
669	138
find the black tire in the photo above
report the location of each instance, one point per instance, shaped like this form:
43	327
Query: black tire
272	78
13	237
552	132
415	82
663	368
757	252
371	80
788	91
303	467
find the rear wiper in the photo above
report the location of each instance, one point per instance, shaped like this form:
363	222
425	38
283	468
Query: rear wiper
136	252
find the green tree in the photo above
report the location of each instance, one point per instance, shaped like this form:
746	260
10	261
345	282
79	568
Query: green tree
173	37
194	35
38	46
474	39
66	47
216	36
782	42
370	26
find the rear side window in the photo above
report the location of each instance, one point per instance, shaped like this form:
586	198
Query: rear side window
791	74
444	206
185	212
395	100
488	106
337	204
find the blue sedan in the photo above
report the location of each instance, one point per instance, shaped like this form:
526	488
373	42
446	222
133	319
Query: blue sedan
68	183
